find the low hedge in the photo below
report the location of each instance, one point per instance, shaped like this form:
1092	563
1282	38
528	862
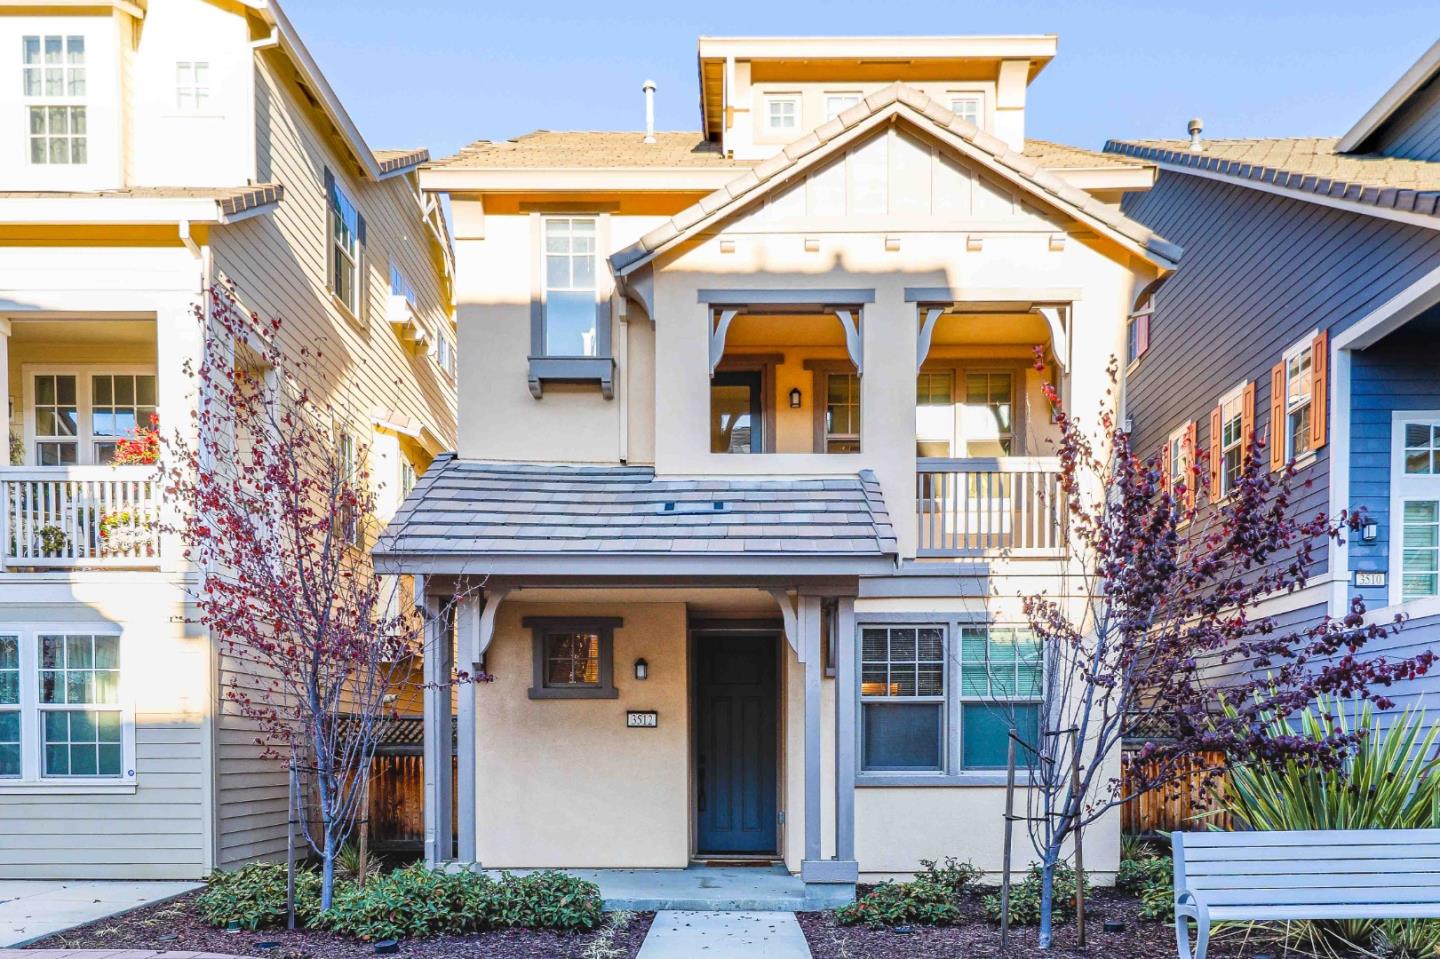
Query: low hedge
253	897
928	899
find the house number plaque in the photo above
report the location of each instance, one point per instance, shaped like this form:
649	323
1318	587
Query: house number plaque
644	719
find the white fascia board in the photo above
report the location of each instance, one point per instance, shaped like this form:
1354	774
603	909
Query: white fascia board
629	179
1020	47
1393	99
113	210
1107	178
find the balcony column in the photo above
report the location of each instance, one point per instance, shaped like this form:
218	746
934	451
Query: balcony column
5	386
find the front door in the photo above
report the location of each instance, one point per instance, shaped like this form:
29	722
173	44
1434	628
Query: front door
736	691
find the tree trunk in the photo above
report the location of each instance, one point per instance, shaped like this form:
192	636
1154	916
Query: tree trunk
327	884
1047	901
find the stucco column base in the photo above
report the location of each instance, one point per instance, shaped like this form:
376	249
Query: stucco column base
829	871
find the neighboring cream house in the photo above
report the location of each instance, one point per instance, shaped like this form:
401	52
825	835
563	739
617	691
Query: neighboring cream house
752	460
151	150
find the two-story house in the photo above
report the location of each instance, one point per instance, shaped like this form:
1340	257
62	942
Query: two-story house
754	462
1307	312
151	151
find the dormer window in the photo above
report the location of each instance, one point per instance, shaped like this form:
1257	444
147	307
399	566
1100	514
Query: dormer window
782	113
966	107
53	83
838	103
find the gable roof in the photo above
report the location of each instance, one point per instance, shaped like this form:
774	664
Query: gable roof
1419	74
519	517
590	149
1306	166
992	153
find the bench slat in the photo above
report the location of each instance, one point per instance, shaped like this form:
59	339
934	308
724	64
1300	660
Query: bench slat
1286	913
1370	880
1354	895
1312	837
1301	854
1264	867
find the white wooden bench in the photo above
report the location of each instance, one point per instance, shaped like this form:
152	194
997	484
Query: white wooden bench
1319	874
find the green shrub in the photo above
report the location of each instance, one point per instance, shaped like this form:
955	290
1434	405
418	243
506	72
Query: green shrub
1025	898
1407	939
928	899
1152	880
254	897
417	901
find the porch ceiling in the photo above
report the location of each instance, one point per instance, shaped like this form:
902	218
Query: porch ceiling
130	332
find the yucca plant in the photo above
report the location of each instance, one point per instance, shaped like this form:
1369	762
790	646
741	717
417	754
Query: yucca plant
1390	780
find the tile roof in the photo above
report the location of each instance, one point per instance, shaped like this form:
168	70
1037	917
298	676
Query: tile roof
1061	156
230	199
1025	169
1304	164
579	149
391	160
465	508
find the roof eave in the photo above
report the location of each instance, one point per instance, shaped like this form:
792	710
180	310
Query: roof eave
440	179
124	211
717	566
1392	100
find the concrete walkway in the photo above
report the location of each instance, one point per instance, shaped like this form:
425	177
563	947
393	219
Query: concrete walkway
725	935
32	909
711	888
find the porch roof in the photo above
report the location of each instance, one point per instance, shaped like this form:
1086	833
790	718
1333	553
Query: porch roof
466	516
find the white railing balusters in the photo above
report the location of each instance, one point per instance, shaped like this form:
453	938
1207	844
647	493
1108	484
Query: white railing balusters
54	517
986	505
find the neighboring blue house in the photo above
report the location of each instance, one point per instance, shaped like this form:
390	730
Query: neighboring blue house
1307	310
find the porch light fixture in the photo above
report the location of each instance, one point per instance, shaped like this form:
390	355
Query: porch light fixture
1370	532
795	398
642	669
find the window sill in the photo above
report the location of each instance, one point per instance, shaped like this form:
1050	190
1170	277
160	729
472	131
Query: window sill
596	693
572	369
346	312
1305	459
968	779
58	788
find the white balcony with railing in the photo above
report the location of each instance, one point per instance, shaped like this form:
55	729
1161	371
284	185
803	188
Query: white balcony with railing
79	517
989	506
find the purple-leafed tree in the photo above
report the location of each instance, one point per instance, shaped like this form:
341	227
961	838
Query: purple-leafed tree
1160	629
272	500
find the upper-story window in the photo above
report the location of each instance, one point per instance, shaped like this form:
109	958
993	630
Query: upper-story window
407	478
77	419
842	413
570	287
53	85
192	86
400	284
1232	440
120	403
782	113
1415	504
967	106
1298	387
989	413
838	103
346	229
934	413
446	356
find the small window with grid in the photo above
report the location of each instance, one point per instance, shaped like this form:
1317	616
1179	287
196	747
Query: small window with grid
80	714
1001	684
902	698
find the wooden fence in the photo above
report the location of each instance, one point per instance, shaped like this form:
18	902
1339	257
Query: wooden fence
1186	803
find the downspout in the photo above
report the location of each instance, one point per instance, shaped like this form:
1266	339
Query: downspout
622	374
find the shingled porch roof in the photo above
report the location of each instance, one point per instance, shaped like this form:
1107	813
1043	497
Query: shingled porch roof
483	517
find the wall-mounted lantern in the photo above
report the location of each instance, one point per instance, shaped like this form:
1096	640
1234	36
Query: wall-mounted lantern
642	669
795	398
1370	532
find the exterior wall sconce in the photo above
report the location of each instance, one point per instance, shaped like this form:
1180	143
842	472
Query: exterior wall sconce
1370	532
642	669
795	398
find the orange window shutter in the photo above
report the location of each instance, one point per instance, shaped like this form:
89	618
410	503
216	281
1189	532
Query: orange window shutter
1247	417
1277	416
1192	433
1165	464
1319	380
1142	334
1215	453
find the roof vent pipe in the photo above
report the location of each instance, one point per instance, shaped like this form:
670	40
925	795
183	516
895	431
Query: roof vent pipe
649	88
1196	126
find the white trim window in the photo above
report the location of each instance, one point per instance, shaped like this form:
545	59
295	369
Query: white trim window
902	698
400	284
1001	685
54	87
1177	458
64	719
345	229
192	86
968	106
842	413
1415	505
446	356
1299	387
74	416
407	478
571	301
1232	439
782	113
837	102
348	455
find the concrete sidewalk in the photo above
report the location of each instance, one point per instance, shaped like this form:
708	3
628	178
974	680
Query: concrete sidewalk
32	909
725	935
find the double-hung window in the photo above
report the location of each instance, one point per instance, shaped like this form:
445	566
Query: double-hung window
120	403
76	418
842	413
570	286
1415	504
934	413
1299	383
902	698
62	717
352	478
53	86
989	414
1001	683
1232	441
346	241
192	86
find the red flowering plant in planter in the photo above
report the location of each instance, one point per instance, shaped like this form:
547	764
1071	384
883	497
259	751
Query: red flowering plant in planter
1160	628
273	504
141	447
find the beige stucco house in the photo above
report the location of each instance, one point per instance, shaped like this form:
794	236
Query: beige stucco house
147	152
753	460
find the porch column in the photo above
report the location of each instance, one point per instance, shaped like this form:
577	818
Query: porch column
809	624
845	694
829	879
5	385
439	655
467	629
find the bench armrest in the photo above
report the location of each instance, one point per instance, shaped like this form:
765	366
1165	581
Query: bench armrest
1189	904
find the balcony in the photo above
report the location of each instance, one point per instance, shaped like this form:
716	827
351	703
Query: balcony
989	506
79	517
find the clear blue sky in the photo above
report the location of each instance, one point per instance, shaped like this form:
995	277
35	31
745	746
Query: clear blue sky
440	73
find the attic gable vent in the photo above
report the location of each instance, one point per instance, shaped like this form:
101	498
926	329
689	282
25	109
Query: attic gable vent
677	508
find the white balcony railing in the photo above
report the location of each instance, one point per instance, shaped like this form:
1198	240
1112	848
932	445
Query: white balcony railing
971	507
67	517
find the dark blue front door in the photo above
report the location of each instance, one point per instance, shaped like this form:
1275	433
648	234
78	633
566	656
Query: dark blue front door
736	690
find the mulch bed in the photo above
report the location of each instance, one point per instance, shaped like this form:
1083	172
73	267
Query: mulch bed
977	937
173	926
